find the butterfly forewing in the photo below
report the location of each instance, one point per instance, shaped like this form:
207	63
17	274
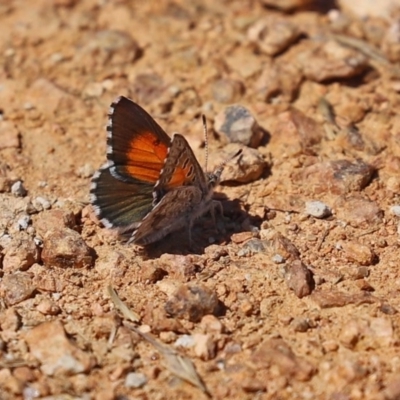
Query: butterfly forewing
174	211
137	145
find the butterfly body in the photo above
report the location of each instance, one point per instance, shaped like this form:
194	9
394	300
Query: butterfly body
151	185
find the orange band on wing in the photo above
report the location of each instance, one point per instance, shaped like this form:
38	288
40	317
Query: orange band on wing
148	142
145	157
178	178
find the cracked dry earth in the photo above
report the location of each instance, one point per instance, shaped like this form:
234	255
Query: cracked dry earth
296	295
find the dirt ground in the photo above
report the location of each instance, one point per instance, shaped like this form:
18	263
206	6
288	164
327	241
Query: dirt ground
296	295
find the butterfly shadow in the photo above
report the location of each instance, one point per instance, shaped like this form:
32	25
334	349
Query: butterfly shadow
204	232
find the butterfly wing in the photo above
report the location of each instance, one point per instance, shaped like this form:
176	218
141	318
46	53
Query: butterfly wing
119	203
121	192
136	145
179	207
181	168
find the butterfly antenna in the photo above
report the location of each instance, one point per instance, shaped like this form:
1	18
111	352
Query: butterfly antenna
205	130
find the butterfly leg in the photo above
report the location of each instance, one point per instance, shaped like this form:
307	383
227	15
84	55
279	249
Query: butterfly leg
215	204
189	225
218	204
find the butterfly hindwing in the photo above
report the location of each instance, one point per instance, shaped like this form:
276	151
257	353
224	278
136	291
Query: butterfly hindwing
119	203
178	208
181	168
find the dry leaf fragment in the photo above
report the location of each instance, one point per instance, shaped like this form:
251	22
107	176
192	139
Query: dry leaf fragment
125	310
177	364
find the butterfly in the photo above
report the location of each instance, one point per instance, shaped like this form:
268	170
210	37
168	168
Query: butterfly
151	185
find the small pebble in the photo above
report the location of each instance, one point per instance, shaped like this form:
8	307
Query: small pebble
20	255
23	222
58	356
300	324
47	307
283	246
358	252
241	237
211	324
243	252
38	242
65	248
56	296
94	89
278	259
17	189
254	246
273	36
339	177
329	60
185	341
227	90
247	167
350	334
299	279
5	240
135	380
236	124
192	302
395	210
174	90
16	287
30	392
205	346
388	309
334	298
318	209
330	345
41	203
278	353
118	46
